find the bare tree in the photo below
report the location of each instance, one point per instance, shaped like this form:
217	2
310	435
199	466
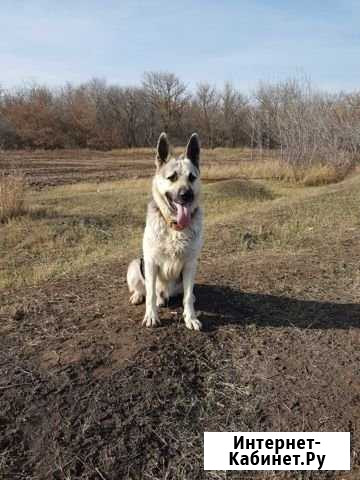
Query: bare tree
168	96
234	108
305	125
128	107
206	103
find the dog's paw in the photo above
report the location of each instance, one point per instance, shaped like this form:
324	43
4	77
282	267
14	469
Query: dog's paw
151	320
192	323
136	298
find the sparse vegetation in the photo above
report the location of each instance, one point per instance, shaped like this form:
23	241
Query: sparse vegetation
12	195
72	227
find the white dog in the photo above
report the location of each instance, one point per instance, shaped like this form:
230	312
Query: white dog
173	235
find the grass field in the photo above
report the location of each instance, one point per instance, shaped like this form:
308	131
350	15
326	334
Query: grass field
87	393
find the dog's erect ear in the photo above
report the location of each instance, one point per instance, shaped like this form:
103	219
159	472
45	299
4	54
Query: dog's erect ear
162	150
193	150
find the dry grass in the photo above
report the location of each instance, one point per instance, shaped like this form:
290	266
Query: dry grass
275	169
324	174
12	195
73	227
70	228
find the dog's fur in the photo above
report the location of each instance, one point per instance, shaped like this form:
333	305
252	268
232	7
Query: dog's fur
170	246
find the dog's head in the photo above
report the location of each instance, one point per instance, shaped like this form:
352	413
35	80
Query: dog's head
176	185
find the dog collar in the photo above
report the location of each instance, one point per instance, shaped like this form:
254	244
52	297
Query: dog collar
175	226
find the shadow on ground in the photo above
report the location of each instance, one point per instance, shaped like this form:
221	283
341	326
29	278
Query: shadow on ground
223	305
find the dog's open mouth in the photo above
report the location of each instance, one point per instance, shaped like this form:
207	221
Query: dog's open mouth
182	212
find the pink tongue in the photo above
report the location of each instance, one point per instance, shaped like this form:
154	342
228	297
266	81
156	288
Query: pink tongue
183	217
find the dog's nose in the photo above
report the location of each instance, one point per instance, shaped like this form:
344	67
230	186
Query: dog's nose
186	195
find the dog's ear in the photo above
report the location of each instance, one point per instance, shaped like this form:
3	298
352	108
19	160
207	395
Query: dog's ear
162	150
193	150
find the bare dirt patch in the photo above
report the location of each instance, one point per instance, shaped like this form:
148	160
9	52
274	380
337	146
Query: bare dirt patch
85	389
49	168
62	167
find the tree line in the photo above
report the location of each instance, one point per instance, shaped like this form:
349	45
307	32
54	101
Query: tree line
304	124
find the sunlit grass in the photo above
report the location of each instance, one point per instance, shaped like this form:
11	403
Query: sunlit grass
68	229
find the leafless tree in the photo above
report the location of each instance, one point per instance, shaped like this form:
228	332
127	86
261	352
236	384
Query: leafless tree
168	97
234	107
291	117
206	108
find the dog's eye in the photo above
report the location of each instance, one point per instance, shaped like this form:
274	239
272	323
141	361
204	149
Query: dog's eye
173	177
192	177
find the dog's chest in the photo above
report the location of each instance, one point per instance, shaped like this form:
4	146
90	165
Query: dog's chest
180	240
172	252
170	248
173	244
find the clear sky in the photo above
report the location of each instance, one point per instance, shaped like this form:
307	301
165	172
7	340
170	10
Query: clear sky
242	41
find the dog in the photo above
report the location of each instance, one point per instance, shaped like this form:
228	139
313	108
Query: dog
173	235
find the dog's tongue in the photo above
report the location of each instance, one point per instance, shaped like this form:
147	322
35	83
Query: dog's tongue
183	217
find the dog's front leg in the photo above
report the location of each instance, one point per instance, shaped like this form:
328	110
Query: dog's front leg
189	272
151	318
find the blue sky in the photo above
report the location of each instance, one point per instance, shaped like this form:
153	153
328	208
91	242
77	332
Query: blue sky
241	41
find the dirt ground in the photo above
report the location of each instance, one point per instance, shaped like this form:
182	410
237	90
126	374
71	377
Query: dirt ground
44	168
87	393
